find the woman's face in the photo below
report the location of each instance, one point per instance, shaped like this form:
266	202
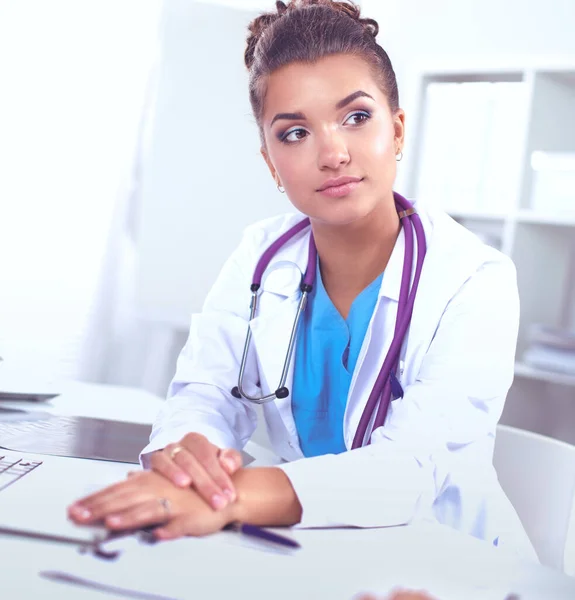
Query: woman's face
330	138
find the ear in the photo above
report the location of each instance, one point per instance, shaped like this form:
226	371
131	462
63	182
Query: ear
399	129
270	165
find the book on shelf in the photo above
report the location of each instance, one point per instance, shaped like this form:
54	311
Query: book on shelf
472	139
553	187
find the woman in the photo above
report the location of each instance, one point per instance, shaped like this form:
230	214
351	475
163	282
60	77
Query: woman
325	98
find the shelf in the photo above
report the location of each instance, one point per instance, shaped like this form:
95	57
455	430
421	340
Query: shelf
559	219
477	215
528	372
563	219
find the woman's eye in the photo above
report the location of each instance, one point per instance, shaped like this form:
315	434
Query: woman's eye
357	118
294	135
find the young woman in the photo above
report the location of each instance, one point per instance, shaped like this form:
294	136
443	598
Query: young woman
402	359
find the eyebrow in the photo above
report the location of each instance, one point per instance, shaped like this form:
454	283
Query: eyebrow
299	116
348	99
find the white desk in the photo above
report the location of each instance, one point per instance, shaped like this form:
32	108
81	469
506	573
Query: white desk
331	565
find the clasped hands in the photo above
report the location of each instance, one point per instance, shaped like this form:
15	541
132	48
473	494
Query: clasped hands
189	491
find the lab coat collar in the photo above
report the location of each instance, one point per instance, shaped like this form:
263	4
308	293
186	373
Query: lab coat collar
391	280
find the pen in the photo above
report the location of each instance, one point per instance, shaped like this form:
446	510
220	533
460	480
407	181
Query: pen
262	534
62	577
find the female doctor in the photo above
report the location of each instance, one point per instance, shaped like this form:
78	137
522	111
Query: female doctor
385	406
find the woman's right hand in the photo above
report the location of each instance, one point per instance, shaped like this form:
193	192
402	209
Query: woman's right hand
197	463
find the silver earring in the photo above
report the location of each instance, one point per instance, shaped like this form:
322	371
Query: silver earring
400	156
281	189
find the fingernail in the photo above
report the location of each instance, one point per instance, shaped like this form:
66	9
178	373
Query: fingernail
230	494
219	502
230	463
114	520
183	480
80	512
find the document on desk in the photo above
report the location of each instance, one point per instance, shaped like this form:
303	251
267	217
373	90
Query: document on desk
330	564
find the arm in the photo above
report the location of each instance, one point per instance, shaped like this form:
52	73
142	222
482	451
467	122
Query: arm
265	497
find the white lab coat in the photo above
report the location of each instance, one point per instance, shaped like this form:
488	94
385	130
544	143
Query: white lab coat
433	457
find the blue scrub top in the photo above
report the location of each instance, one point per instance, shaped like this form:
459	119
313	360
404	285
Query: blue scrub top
327	349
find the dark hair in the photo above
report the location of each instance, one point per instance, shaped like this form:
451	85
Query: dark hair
306	31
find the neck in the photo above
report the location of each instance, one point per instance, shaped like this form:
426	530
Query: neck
353	255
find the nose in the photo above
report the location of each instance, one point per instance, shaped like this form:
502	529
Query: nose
333	151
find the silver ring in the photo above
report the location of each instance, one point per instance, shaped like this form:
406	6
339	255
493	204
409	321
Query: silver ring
166	505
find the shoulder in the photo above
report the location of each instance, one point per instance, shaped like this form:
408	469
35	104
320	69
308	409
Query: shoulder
462	273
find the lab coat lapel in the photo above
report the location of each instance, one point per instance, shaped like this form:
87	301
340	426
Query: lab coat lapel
377	340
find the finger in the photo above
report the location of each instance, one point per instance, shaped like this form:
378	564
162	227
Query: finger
119	501
82	510
185	525
163	464
141	515
202	482
96	496
207	456
409	595
173	530
231	460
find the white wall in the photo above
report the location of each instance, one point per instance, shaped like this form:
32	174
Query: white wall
203	178
414	29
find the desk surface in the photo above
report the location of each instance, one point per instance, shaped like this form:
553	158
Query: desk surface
331	565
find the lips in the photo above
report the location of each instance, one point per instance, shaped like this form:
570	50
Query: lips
340	187
338	182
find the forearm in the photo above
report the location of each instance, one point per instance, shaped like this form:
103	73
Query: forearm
265	496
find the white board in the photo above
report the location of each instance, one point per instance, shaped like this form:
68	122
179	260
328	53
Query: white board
203	178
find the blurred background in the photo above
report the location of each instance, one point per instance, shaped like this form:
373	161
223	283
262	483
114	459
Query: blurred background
129	164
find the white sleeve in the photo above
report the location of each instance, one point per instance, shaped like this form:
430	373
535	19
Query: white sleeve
199	397
444	424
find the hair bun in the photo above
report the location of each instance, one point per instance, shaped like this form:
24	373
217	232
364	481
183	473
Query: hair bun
258	26
256	29
354	11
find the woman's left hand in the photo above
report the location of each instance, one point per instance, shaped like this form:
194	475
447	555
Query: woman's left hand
147	499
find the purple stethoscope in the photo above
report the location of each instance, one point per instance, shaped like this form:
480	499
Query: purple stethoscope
386	385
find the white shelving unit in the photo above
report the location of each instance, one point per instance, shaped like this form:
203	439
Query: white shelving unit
523	370
541	243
